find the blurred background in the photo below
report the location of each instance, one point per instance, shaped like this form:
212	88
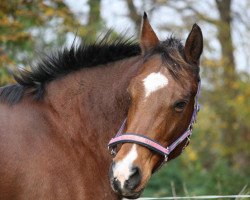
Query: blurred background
218	159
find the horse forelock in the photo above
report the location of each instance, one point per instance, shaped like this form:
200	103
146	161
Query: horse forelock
172	52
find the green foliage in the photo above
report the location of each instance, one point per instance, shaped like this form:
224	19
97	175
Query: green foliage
5	77
26	26
192	179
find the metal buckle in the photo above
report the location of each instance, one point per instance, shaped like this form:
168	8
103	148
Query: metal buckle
113	151
198	107
191	127
165	159
186	144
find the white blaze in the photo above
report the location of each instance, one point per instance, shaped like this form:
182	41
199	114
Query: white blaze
123	168
154	82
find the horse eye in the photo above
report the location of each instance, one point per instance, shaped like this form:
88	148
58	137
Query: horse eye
179	106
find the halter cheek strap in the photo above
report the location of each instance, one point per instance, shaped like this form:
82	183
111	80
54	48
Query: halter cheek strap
151	144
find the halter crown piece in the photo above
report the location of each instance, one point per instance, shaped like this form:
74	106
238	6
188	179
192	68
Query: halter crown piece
151	144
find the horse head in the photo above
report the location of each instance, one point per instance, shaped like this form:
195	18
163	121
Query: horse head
163	103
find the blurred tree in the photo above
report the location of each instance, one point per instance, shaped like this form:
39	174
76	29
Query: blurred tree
94	22
134	15
234	132
23	23
26	26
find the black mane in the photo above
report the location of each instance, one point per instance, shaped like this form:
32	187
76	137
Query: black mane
78	57
65	61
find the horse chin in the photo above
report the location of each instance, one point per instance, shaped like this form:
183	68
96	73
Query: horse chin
127	195
132	196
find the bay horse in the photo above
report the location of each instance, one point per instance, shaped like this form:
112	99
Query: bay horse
57	120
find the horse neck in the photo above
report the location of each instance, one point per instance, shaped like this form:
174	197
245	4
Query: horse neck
91	104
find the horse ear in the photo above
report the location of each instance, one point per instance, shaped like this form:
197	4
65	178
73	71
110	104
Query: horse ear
148	39
194	45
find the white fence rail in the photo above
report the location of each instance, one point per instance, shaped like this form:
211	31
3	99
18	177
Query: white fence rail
199	197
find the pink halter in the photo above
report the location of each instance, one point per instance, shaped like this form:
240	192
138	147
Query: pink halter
151	144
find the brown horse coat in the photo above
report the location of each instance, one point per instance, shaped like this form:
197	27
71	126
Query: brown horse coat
57	148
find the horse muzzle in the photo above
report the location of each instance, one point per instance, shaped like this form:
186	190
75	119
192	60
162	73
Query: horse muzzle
125	183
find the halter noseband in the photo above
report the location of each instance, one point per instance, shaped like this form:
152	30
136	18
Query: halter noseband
151	144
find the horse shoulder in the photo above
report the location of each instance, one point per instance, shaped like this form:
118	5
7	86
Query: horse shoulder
37	163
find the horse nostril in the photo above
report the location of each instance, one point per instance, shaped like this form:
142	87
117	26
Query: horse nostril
134	179
116	184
